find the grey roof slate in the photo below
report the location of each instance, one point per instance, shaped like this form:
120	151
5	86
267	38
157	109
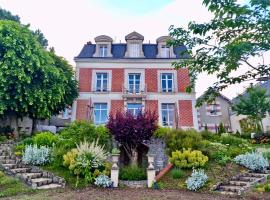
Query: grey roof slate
118	51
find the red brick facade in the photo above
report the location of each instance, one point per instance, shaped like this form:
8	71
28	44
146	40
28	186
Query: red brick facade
117	105
151	105
151	80
117	80
182	79
85	79
185	112
81	111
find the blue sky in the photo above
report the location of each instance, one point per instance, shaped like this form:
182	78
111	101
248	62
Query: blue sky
137	7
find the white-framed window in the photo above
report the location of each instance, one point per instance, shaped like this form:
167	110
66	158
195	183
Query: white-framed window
168	114
213	109
66	114
101	82
134	108
167	82
100	113
165	51
103	50
134	80
134	50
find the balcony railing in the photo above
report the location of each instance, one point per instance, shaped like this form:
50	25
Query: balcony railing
132	90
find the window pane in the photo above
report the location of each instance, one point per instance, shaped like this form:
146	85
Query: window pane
100	113
169	85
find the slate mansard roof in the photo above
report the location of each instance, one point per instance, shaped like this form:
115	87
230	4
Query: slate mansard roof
118	51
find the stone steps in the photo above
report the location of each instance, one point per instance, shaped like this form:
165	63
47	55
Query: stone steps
31	175
242	182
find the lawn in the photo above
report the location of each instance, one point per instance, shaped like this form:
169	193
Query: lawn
10	186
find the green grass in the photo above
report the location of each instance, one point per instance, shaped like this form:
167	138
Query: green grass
10	186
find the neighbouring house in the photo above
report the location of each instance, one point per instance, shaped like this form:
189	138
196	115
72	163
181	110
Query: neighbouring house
133	76
211	115
236	119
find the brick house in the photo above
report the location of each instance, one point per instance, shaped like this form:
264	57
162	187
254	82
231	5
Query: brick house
133	76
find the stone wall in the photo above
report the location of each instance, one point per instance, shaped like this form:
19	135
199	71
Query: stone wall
157	147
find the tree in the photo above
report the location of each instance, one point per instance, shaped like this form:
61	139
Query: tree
236	34
33	82
255	105
6	15
131	131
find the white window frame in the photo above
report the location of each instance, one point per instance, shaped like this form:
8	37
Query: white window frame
100	110
134	49
174	83
168	118
102	52
94	80
135	71
133	110
134	89
165	51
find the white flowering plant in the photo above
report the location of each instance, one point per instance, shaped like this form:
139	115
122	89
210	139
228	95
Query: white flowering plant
253	161
103	181
197	180
35	155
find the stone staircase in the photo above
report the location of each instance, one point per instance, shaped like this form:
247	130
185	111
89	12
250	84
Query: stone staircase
242	182
31	175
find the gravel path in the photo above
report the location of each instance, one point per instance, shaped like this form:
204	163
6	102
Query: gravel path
131	194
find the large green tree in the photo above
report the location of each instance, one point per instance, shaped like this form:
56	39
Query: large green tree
236	34
33	81
255	104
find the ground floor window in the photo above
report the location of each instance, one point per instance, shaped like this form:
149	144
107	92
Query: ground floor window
134	108
167	111
100	113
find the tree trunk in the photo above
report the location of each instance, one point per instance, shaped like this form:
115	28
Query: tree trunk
134	158
34	125
261	125
13	119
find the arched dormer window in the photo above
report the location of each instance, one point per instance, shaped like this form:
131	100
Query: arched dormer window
165	51
134	45
103	46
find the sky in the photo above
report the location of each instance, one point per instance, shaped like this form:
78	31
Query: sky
69	24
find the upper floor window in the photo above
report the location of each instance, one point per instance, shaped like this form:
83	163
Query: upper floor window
134	50
100	113
165	51
103	50
213	109
134	83
167	82
134	108
168	114
102	82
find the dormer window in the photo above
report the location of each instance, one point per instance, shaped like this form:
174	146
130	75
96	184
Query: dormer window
134	50
134	45
103	50
164	51
103	46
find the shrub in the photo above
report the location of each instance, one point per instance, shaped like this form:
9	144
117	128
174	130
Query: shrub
197	180
267	187
79	131
3	138
45	138
6	131
253	161
177	173
82	130
221	128
188	159
86	159
179	139
227	138
221	157
103	181
267	155
161	132
36	156
207	135
132	173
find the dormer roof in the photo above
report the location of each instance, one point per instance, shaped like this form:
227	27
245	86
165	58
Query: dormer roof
103	38
164	39
134	36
